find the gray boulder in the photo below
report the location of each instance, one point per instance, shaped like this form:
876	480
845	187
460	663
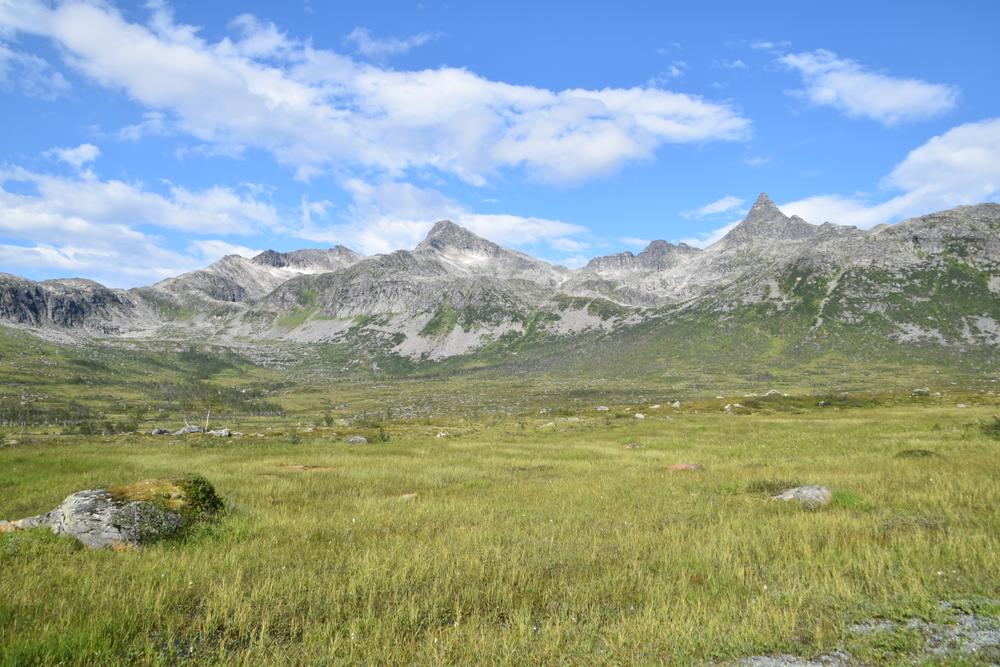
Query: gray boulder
221	433
159	431
98	520
189	428
357	440
807	495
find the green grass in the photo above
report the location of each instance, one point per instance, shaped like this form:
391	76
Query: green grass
526	544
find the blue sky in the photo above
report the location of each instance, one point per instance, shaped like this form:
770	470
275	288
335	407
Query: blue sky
143	140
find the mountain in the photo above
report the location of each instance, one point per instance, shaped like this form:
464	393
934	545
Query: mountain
772	283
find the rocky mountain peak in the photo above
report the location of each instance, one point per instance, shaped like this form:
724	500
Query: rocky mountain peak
764	210
446	234
766	222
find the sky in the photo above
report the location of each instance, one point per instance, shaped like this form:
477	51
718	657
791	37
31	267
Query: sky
142	140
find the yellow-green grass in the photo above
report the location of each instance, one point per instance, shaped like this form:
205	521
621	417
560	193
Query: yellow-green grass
526	544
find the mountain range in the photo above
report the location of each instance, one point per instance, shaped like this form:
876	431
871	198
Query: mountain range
931	281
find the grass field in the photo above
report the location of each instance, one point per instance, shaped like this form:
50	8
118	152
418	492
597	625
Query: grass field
532	538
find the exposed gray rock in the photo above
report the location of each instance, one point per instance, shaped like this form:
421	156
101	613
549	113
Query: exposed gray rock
221	433
835	659
189	428
807	495
479	291
159	431
97	520
357	440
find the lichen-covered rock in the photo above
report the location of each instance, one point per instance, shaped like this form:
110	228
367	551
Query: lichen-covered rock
189	428
357	440
807	495
98	520
128	516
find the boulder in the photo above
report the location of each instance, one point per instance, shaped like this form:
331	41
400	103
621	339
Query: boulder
189	428
221	433
921	392
639	415
807	495
159	431
602	408
357	440
675	404
128	516
98	520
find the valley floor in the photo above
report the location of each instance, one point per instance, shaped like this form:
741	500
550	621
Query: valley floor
553	538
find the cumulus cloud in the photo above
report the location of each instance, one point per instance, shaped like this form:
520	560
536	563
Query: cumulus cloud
390	215
378	48
847	86
30	74
211	250
108	230
961	166
315	109
76	157
721	205
706	239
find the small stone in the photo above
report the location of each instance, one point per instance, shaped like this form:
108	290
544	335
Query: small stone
640	416
655	407
357	440
221	433
159	431
921	392
807	495
441	434
602	408
675	405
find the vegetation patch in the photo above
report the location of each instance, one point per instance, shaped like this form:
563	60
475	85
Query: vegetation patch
192	496
442	323
770	487
917	454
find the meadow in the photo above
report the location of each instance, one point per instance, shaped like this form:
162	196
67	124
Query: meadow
550	534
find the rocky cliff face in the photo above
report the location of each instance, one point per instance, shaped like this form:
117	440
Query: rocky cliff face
933	279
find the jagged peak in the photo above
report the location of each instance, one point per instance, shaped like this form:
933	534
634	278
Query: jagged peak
764	210
294	257
446	233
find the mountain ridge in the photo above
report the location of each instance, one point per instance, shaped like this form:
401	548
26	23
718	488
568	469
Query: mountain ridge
457	292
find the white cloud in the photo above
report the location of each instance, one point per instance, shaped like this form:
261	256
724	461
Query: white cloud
769	45
730	64
722	205
30	74
634	241
391	215
845	85
315	109
153	123
708	238
87	226
379	48
675	71
757	160
76	157
961	166
211	250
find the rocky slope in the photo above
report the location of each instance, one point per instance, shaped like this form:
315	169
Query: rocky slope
933	280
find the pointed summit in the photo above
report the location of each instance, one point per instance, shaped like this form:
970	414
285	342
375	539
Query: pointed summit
446	234
764	210
766	222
